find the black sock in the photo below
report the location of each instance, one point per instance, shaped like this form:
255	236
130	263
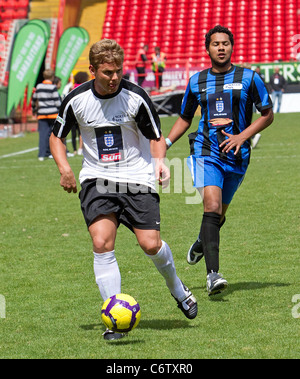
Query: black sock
221	224
210	237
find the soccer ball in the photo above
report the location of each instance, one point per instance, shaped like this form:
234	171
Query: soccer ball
121	313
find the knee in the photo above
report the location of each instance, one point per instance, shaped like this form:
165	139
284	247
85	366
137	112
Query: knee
150	245
101	245
213	206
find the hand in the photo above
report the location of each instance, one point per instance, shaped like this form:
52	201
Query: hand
232	141
68	182
162	173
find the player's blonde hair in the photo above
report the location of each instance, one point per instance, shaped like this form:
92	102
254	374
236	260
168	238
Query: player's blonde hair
106	51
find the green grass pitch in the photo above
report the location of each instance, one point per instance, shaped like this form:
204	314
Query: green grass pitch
50	304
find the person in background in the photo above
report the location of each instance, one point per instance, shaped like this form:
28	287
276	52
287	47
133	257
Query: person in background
277	83
158	60
258	71
57	82
45	105
140	64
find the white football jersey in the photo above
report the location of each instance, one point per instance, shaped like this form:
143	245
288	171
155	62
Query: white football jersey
115	130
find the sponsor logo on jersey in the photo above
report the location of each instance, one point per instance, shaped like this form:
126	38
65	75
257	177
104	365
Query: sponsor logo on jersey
111	157
233	86
60	120
119	117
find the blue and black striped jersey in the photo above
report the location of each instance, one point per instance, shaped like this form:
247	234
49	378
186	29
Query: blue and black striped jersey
224	98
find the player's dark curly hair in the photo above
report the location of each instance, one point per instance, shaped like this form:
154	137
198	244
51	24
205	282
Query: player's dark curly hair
218	29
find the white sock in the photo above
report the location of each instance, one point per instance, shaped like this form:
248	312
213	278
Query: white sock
164	262
107	274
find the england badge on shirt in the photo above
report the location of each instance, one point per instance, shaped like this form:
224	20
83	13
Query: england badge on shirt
110	144
219	109
109	140
219	104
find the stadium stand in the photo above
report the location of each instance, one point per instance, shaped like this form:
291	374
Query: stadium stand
91	17
13	9
10	10
263	29
43	9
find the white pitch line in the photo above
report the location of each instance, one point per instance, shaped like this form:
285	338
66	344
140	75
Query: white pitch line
18	153
22	152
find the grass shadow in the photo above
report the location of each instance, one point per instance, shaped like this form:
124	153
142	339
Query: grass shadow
241	286
159	324
123	341
164	324
155	324
250	286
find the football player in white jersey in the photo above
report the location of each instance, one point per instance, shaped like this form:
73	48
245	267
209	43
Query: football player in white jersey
123	155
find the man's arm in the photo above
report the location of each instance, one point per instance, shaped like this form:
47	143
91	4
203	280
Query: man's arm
158	152
58	151
179	128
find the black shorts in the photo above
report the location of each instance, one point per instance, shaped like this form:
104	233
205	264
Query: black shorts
139	210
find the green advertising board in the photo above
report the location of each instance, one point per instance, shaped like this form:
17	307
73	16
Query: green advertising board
28	53
289	70
36	68
29	49
71	45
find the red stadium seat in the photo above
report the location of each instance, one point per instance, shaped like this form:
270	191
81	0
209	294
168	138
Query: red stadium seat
8	4
7	14
21	13
263	30
254	58
5	25
22	3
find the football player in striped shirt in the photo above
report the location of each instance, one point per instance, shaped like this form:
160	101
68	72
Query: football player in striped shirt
123	155
220	148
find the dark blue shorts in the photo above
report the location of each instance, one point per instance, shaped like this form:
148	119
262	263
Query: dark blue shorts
208	171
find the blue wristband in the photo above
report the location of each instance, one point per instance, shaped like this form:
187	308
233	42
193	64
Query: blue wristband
168	142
